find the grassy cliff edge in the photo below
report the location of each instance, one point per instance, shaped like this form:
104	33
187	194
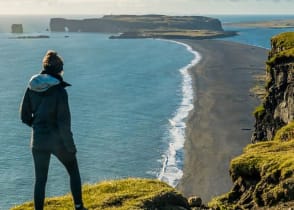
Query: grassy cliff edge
126	194
263	175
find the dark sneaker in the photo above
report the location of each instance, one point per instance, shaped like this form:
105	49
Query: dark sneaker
81	208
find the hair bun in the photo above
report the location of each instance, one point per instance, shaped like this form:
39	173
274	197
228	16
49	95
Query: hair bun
52	62
51	53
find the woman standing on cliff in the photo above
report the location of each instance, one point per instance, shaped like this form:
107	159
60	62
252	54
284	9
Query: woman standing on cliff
45	108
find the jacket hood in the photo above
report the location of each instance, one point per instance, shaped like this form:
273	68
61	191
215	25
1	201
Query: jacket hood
42	82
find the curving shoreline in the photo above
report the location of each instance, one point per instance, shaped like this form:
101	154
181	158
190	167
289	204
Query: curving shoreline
172	168
219	125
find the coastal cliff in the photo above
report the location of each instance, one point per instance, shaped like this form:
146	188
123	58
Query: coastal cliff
263	175
277	109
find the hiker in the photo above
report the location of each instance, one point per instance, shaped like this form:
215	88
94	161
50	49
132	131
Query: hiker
45	108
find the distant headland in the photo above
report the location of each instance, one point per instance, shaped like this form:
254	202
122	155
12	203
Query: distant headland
145	26
265	24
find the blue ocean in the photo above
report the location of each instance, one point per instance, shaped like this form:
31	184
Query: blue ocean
129	100
254	36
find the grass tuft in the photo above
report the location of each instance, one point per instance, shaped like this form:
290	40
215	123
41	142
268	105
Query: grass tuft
259	111
285	133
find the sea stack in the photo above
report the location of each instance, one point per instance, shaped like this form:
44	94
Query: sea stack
17	28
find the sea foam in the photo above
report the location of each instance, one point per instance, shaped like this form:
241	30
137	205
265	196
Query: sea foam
172	169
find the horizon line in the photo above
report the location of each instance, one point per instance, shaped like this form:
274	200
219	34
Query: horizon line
233	14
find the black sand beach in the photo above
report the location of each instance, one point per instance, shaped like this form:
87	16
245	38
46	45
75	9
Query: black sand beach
221	123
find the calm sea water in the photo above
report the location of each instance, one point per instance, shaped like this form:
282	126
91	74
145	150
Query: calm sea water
124	94
129	101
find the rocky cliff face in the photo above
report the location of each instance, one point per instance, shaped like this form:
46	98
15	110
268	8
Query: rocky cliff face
277	109
126	23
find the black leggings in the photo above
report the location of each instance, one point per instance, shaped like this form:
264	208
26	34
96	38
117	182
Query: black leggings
41	161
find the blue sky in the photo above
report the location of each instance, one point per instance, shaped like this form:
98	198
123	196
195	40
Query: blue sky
182	7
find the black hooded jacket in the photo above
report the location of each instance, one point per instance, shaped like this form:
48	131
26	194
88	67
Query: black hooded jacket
45	108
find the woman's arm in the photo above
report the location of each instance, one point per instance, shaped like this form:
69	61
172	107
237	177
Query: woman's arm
26	110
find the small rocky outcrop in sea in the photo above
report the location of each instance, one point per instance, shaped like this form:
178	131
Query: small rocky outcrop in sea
277	109
16	28
31	37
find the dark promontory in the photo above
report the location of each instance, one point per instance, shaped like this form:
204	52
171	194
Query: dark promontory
145	26
126	23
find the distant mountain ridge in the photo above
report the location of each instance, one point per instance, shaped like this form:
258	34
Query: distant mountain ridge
130	23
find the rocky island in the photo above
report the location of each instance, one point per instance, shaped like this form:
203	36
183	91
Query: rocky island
145	26
16	28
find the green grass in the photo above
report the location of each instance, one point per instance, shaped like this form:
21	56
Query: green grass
180	32
282	57
270	155
127	194
266	158
284	40
285	43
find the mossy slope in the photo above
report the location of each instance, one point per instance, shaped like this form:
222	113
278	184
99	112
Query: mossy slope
263	175
283	40
127	194
282	49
